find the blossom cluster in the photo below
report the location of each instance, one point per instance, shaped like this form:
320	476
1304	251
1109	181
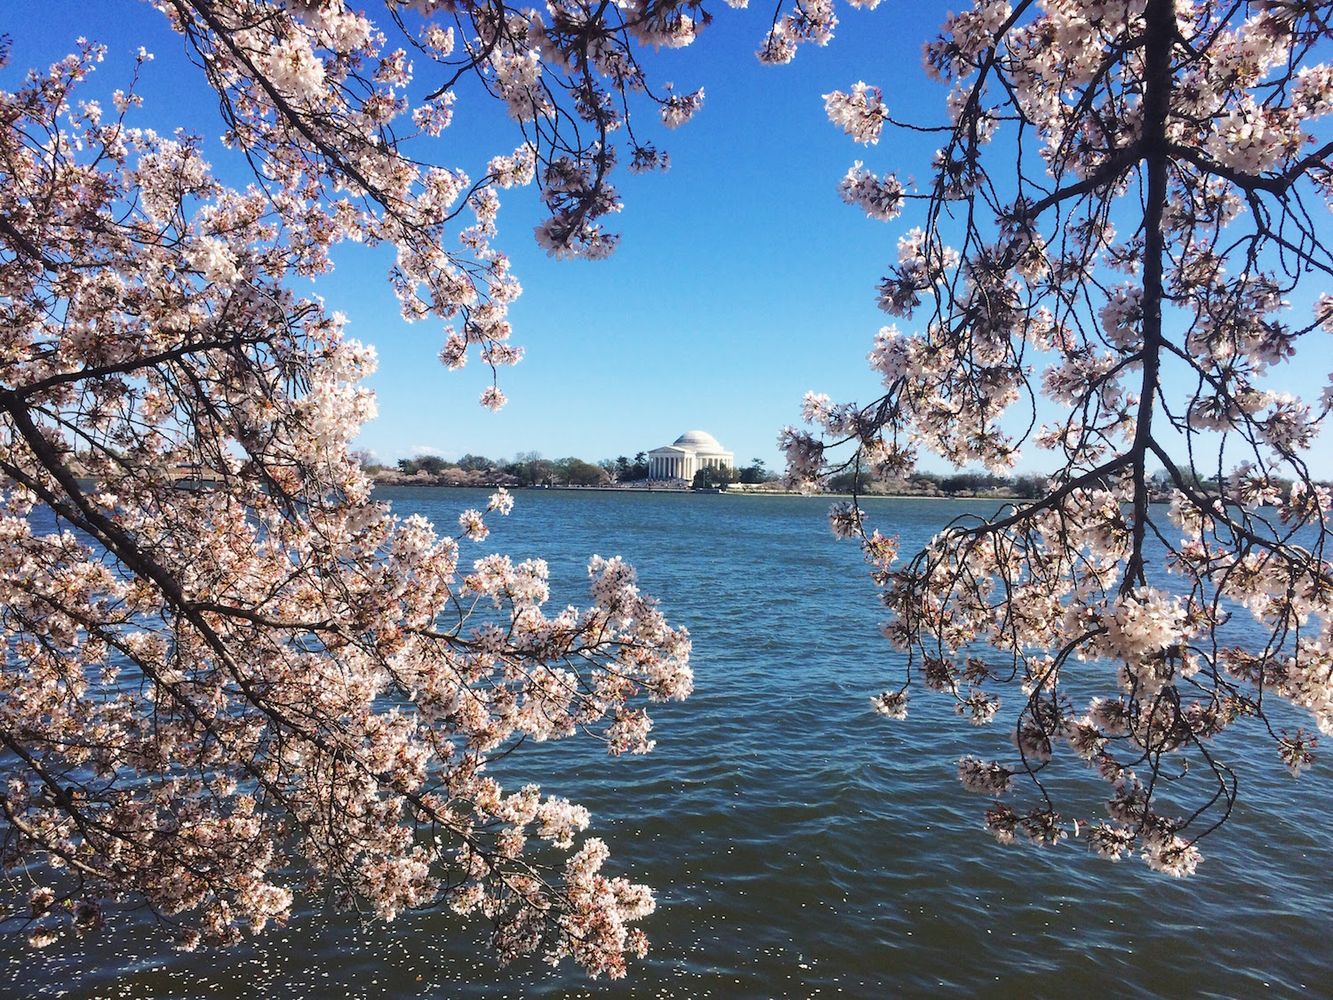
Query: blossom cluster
234	676
1116	300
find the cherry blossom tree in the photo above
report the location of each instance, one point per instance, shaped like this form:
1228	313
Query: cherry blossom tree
1120	248
230	672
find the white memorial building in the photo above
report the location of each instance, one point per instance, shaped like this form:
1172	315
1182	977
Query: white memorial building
692	451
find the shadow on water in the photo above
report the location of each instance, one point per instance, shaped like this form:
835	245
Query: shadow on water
799	845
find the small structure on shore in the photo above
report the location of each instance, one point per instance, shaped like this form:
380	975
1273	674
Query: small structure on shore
692	451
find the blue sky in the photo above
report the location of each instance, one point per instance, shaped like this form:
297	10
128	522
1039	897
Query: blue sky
741	281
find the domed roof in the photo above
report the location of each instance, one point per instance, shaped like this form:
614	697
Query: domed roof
700	440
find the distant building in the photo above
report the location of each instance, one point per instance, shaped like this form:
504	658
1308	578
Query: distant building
692	451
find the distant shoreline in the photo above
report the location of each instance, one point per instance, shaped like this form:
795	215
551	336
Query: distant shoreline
686	491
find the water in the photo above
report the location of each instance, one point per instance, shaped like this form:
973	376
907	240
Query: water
800	845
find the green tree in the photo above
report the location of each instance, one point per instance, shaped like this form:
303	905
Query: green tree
1030	487
710	476
432	465
851	481
475	463
580	473
530	469
972	482
755	472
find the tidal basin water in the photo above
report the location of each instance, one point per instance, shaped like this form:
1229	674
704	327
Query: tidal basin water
800	845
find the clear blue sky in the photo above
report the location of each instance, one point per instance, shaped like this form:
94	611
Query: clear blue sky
741	281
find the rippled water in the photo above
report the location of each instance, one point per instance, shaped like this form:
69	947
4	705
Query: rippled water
800	846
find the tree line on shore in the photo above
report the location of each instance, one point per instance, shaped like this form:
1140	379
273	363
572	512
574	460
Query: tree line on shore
531	469
1027	486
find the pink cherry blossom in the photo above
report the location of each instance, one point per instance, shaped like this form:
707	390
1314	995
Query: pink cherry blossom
1116	305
